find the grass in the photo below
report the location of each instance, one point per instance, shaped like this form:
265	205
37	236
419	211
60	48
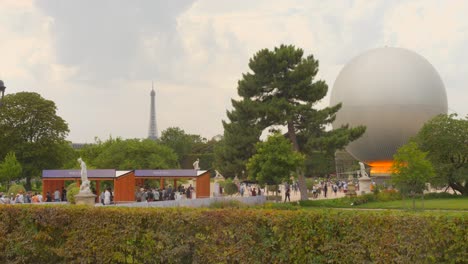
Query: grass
431	204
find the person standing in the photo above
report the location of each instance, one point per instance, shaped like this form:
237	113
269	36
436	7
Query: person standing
325	189
107	196
287	194
57	195
64	194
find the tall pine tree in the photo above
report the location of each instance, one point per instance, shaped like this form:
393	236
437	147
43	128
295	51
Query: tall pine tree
281	90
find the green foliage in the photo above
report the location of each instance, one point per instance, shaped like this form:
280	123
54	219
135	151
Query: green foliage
30	127
15	189
230	188
71	192
180	142
411	170
236	146
133	154
71	186
282	206
10	169
227	204
274	161
310	182
445	138
442	195
320	164
74	234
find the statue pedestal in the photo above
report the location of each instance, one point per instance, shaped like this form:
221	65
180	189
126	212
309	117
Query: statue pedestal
351	190
85	198
364	184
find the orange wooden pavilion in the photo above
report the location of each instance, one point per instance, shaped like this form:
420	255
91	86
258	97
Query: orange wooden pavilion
126	181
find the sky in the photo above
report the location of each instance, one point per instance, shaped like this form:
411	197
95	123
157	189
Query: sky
97	59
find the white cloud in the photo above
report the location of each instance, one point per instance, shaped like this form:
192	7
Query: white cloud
97	63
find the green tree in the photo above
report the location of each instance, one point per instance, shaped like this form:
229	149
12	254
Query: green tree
239	139
10	169
30	127
446	139
281	91
274	161
179	141
135	154
189	147
411	170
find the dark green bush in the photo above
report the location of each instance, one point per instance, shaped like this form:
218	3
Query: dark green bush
230	188
74	234
442	195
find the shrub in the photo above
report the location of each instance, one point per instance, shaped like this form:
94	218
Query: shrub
282	206
71	192
230	188
71	186
388	195
442	195
76	234
227	204
16	188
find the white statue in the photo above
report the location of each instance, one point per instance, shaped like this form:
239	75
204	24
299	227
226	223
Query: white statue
363	170
218	175
195	164
85	184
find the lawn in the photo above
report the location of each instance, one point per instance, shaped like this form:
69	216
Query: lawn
454	203
433	204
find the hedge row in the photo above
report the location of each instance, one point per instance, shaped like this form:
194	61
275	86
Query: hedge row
73	234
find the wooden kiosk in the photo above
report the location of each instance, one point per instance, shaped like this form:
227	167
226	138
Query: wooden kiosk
126	181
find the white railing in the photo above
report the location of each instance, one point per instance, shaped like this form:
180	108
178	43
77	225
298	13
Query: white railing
201	202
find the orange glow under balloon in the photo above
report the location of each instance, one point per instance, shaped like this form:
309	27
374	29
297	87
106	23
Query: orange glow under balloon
381	166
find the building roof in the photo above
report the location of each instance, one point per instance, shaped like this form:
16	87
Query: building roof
109	173
169	173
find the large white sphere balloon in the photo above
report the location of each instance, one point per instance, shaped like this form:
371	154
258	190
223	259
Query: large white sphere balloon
391	91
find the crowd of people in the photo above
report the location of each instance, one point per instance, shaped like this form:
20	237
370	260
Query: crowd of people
33	197
164	194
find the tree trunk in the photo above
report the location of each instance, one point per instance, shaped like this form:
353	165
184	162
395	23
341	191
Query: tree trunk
462	189
422	200
27	186
301	179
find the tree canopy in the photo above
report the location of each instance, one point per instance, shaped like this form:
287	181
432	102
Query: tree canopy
445	138
411	170
10	169
30	127
281	90
274	161
129	154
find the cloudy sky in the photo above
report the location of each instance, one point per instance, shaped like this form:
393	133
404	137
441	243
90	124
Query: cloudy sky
96	59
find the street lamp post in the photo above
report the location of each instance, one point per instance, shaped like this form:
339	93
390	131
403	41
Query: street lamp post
2	91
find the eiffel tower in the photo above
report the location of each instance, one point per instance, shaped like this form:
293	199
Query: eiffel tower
153	131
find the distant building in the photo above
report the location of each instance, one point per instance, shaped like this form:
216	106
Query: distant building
153	130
